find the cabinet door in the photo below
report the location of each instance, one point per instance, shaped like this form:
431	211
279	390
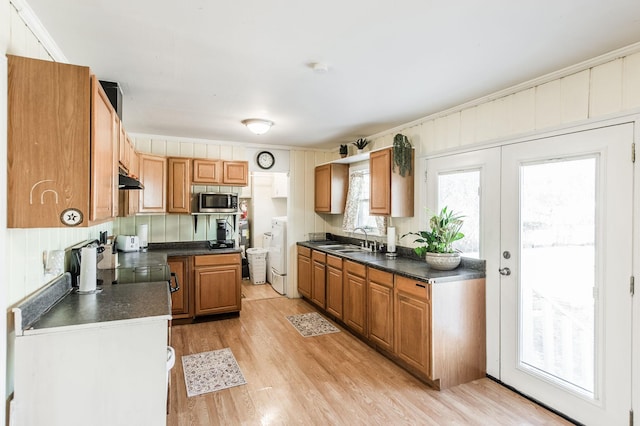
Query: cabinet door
41	95
354	302
103	154
304	274
380	308
412	331
217	289
380	182
207	172
180	300
179	185
334	291
123	148
323	188
153	175
318	284
235	173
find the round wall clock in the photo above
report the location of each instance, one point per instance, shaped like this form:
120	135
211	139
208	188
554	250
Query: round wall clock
265	160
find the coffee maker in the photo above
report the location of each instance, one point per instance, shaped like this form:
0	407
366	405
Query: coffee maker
223	235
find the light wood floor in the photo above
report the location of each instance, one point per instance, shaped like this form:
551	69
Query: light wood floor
333	379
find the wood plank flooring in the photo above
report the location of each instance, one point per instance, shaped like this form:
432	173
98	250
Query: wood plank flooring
334	379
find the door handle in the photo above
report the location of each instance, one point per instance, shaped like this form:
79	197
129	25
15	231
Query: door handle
504	271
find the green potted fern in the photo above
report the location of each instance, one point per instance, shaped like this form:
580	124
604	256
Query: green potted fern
438	242
360	144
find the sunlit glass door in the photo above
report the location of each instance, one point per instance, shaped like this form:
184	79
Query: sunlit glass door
566	258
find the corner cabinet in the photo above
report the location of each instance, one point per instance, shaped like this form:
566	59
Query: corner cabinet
153	175
181	300
59	112
217	283
330	188
389	193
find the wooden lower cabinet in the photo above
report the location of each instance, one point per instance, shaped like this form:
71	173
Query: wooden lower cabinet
380	308
217	279
355	294
335	289
318	278
304	271
181	303
412	327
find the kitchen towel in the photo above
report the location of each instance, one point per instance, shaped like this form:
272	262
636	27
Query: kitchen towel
88	276
142	231
391	239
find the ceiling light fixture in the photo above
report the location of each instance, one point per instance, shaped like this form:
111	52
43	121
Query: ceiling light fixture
257	125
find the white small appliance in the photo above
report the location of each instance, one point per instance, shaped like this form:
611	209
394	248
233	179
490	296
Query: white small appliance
266	243
128	242
278	254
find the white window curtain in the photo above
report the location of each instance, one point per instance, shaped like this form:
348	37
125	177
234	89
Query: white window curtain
356	211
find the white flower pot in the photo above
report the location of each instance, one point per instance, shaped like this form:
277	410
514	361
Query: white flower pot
443	261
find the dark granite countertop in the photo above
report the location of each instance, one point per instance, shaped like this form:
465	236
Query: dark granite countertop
190	248
139	301
405	266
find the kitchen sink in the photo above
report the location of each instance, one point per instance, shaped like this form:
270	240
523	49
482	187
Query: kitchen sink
342	248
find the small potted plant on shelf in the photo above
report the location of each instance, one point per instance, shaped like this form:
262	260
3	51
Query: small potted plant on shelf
344	150
360	144
445	230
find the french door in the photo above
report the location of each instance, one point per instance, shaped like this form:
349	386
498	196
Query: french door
566	208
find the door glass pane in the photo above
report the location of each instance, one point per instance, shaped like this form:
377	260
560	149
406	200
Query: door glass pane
557	273
460	192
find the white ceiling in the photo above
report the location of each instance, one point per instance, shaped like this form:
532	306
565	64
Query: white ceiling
196	68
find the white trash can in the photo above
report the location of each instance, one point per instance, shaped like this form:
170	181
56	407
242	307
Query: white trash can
257	258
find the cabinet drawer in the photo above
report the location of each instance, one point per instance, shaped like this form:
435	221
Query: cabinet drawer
319	256
334	261
381	277
414	287
304	251
355	268
217	259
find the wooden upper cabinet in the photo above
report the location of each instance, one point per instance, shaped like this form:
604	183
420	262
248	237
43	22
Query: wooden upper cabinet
219	172
53	180
207	172
179	185
389	193
330	189
153	175
105	130
129	201
124	148
235	173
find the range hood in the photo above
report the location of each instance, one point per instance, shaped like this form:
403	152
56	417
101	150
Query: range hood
127	183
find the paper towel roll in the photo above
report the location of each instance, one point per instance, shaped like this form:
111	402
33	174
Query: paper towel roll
391	239
142	231
88	276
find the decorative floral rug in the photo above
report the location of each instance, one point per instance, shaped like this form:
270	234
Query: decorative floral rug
211	371
311	324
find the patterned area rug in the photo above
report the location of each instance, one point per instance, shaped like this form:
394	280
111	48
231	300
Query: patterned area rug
311	324
211	371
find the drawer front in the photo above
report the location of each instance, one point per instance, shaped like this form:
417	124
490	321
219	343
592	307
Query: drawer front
217	259
304	251
355	268
414	287
381	277
334	261
319	256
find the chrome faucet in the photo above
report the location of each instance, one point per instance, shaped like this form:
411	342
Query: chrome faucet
366	237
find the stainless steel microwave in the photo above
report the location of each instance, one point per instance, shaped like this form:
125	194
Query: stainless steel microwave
217	202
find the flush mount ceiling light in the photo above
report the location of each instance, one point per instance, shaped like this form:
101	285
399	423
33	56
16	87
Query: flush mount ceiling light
257	125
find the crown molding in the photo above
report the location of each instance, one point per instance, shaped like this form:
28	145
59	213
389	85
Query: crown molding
34	24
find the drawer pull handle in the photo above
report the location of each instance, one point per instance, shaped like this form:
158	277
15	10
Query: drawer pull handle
421	285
